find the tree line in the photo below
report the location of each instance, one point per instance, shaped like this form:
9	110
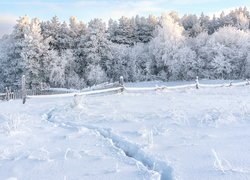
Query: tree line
168	47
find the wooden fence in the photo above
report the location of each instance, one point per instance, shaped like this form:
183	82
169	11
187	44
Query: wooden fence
104	88
55	92
195	85
17	94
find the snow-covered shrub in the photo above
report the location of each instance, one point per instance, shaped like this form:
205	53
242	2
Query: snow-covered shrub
96	75
13	123
217	117
77	101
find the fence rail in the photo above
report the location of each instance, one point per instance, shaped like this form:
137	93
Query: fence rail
103	91
158	88
105	85
180	87
17	94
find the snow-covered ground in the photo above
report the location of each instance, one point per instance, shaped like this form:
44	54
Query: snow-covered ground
169	134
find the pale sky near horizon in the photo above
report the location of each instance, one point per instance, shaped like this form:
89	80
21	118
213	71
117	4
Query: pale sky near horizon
85	10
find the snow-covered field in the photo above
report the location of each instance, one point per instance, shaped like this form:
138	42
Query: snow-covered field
171	134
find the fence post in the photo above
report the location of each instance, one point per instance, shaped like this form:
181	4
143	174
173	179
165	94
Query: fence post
14	94
23	89
10	93
197	82
7	94
41	86
121	81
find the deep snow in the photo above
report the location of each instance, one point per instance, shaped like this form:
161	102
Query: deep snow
169	134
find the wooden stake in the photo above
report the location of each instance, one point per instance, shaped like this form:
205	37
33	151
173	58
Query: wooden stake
23	89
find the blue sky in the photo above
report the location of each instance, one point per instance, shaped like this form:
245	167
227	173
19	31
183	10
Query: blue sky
85	10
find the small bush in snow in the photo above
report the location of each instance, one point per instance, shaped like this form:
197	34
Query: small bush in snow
13	124
77	101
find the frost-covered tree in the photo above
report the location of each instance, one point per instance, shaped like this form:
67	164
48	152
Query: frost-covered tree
76	30
204	22
58	33
191	25
113	30
50	29
144	27
168	40
231	51
120	64
9	70
35	54
140	61
130	31
93	50
62	70
198	45
238	18
72	79
64	39
122	32
223	54
15	64
185	65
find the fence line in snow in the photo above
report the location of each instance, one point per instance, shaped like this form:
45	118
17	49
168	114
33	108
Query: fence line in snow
20	94
103	91
119	87
195	85
104	88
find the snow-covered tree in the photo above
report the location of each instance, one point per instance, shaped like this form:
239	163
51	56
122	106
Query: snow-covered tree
62	70
223	54
144	27
35	53
140	61
198	45
204	22
120	64
8	66
185	65
122	32
15	64
231	49
191	24
93	49
50	29
169	38
76	30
